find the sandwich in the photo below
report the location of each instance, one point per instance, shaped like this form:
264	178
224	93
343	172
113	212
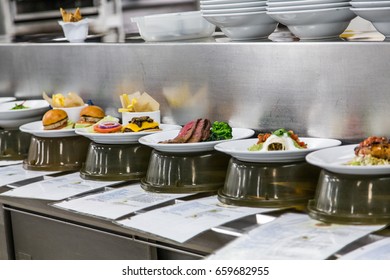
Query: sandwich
90	115
55	119
138	124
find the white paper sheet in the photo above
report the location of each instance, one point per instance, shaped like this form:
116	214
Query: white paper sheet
9	162
58	188
378	250
184	220
292	237
116	203
15	173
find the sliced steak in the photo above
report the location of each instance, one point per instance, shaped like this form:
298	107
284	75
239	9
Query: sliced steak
184	134
200	131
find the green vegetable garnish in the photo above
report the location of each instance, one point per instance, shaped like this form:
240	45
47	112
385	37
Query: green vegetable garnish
19	106
220	131
280	132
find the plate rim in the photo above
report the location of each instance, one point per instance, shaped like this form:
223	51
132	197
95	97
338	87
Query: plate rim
275	156
100	137
47	133
348	169
189	147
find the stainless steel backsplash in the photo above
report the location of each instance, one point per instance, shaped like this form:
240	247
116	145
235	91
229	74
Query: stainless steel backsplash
335	89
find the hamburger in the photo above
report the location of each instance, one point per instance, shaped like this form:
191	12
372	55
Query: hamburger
138	124
90	115
55	119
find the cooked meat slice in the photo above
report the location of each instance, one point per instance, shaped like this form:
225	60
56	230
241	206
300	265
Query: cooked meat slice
378	147
201	131
184	134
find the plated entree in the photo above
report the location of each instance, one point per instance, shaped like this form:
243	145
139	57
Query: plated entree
372	151
202	130
279	140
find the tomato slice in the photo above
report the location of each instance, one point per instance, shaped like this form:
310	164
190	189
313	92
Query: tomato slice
108	127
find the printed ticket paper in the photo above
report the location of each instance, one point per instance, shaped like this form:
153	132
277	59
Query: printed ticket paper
185	220
116	203
378	250
15	173
293	237
58	188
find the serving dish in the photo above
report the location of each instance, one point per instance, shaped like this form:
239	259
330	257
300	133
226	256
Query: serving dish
239	149
35	108
122	138
173	26
335	160
36	129
6	99
154	139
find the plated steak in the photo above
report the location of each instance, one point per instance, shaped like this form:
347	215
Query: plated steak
194	131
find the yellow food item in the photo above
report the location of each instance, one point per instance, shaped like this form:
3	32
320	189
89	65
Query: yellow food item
58	100
144	126
69	17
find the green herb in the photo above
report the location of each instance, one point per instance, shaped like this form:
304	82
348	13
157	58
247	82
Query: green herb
279	132
220	131
19	106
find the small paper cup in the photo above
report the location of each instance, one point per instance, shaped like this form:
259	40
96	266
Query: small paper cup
75	32
73	112
127	116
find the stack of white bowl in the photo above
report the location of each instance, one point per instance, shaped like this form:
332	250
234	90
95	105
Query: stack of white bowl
378	12
239	19
312	19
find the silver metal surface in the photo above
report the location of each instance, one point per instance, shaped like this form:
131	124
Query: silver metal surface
322	89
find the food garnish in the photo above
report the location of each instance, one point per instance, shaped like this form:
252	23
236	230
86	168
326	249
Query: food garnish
201	130
70	17
220	131
372	151
19	106
279	140
107	127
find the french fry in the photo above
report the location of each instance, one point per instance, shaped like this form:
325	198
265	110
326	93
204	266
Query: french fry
69	17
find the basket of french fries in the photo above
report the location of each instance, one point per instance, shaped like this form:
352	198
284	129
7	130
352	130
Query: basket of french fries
139	105
75	27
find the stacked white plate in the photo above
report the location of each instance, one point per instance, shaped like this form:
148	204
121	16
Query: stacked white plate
239	19
312	19
12	118
378	12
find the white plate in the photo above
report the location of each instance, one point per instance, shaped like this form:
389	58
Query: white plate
122	138
35	108
154	139
15	123
36	129
239	150
6	99
335	159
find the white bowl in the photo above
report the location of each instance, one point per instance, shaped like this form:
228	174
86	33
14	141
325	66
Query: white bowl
379	17
73	112
371	4
219	2
245	26
174	26
75	32
302	2
315	24
234	11
127	116
204	7
308	7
